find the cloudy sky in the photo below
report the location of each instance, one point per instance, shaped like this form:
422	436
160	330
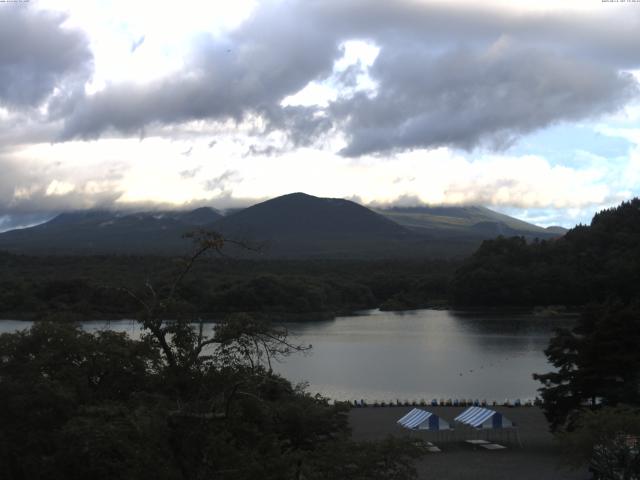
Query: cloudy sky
532	109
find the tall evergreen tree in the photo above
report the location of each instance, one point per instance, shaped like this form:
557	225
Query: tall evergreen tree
597	363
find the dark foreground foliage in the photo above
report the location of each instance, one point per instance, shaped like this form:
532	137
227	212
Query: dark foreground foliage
76	405
608	440
597	364
589	264
175	404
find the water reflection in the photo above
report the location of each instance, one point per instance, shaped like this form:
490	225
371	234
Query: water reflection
409	355
425	354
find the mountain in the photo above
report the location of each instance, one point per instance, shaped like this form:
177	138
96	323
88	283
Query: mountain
304	215
295	226
298	225
199	216
465	222
557	230
103	231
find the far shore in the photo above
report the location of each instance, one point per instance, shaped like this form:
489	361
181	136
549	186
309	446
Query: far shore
545	312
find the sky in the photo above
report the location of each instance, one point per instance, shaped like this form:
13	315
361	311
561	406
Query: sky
528	108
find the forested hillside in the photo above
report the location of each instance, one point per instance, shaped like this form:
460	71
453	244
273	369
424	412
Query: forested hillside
94	286
589	263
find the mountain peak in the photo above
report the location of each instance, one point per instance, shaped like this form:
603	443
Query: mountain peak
300	214
305	197
200	216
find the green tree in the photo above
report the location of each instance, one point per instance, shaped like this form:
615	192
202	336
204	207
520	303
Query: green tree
597	363
52	371
588	264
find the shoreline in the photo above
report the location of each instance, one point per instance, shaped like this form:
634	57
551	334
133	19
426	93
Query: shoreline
543	312
452	402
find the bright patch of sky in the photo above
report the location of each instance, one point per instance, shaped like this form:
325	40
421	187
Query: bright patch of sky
162	33
358	56
563	144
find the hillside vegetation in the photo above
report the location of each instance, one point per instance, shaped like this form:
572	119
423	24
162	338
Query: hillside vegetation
588	264
92	286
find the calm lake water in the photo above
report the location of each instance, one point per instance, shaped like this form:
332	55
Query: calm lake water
410	355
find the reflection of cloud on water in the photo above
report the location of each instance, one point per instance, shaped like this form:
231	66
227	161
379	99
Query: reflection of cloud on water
420	354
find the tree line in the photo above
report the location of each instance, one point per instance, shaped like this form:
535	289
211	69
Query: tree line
589	263
90	287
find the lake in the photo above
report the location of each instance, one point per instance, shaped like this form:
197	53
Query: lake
410	355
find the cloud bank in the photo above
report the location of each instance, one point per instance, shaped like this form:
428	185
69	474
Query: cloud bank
39	58
446	76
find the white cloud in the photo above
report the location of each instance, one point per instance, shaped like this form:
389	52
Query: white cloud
57	187
168	29
130	172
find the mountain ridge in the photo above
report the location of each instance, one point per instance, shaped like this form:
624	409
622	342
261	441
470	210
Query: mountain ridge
293	225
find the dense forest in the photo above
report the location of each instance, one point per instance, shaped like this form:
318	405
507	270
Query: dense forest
96	286
175	404
589	264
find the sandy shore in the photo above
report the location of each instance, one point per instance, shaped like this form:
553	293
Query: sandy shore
538	459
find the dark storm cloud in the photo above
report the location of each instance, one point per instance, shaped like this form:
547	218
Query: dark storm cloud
38	55
18	128
303	125
468	98
608	35
461	76
268	58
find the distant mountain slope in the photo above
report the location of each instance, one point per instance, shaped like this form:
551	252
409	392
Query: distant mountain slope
199	216
557	229
465	221
101	231
295	225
